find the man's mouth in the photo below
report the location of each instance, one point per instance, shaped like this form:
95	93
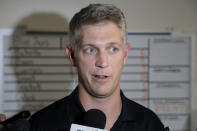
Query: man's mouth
101	76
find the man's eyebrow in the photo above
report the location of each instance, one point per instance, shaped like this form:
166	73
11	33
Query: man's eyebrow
87	45
96	45
114	44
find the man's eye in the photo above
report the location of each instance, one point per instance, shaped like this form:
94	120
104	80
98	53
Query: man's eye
89	50
113	49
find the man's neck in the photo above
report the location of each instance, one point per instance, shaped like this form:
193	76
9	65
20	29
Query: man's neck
104	104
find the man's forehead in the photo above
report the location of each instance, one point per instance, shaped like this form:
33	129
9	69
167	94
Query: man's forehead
107	44
100	23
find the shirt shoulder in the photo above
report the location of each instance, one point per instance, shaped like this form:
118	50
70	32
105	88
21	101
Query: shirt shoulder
141	117
53	116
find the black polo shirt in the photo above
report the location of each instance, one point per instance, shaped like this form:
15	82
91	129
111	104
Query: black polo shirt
60	115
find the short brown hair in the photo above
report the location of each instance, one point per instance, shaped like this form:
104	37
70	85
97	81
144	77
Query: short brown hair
92	14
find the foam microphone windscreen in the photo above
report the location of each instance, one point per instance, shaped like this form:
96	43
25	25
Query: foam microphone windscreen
22	114
20	124
94	118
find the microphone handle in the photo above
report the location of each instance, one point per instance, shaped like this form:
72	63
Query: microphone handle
22	114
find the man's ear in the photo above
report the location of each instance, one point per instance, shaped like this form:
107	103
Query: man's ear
70	54
127	50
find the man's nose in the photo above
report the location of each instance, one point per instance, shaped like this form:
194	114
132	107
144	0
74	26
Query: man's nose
102	60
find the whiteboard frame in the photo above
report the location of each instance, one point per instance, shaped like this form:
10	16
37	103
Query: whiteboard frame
3	32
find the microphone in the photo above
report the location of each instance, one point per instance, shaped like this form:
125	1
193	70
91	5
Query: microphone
93	120
22	114
20	124
168	129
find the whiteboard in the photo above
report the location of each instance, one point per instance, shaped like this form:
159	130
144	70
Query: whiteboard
36	72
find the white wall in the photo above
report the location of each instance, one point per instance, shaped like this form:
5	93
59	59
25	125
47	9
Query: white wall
142	15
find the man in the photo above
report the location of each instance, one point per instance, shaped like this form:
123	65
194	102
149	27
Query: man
98	49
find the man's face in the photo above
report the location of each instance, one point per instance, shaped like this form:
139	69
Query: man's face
100	58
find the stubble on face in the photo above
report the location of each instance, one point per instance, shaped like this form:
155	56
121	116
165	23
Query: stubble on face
100	59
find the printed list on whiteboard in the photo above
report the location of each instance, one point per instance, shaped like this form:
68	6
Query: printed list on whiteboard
36	72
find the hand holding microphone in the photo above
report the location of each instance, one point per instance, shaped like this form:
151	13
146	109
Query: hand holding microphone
17	122
22	114
2	117
20	124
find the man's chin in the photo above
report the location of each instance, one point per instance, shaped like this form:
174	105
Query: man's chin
102	94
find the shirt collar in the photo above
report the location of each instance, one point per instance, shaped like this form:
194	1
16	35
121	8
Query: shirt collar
75	107
129	110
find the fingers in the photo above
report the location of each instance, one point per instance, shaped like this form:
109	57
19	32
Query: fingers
2	117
